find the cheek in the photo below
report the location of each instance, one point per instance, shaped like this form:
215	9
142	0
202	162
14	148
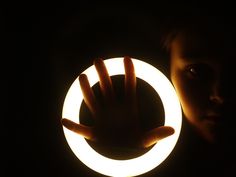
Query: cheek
192	96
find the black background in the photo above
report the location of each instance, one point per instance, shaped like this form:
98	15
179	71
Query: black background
49	46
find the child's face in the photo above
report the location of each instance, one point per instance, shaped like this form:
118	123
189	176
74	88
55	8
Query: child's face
199	73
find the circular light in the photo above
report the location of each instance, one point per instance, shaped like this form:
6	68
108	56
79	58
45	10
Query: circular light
135	166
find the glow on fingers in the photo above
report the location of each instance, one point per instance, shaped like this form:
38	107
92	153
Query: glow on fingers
145	162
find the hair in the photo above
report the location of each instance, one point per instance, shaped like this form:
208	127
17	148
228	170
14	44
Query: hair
210	25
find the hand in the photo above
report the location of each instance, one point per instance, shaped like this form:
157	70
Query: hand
115	123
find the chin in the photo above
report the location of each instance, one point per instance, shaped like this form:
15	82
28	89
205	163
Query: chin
209	132
210	138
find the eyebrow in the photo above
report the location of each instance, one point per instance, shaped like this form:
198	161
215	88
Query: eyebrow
193	55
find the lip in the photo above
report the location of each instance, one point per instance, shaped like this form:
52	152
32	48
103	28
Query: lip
213	118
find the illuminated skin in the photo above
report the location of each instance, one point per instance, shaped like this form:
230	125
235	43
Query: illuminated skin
115	121
198	70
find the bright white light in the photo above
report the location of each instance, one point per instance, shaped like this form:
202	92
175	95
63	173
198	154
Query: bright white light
145	162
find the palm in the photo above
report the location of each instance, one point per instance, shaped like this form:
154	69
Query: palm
117	126
115	123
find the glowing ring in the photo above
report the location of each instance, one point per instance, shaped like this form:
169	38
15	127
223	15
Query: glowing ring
145	162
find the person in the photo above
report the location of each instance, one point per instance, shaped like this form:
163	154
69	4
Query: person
201	64
201	52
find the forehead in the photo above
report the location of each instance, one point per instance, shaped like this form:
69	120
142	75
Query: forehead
213	35
204	43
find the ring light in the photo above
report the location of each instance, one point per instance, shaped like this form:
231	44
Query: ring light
135	166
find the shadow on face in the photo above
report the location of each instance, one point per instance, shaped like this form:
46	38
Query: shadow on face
202	61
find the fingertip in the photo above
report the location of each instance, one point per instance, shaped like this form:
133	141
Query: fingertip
171	130
82	77
63	120
66	122
98	61
126	57
127	60
167	130
129	66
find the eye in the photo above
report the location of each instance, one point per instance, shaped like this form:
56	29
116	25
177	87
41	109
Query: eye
199	71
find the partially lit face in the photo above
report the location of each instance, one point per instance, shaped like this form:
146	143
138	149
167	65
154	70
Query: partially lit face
199	73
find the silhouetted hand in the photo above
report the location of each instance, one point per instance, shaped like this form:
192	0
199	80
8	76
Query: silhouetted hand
115	123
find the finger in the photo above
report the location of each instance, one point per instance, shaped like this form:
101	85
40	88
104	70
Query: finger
88	94
105	80
130	80
156	134
130	88
82	130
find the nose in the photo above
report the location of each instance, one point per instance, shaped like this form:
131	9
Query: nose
216	94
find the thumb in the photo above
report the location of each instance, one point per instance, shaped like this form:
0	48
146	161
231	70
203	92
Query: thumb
156	134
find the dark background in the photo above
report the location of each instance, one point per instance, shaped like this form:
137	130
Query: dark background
50	45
